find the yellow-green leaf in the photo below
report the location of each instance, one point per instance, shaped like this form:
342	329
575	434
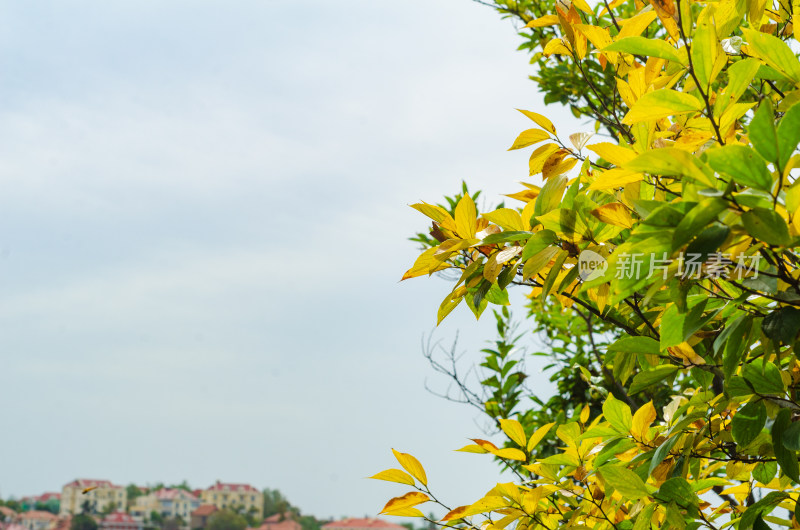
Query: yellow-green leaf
529	137
473	448
649	47
412	498
466	217
426	263
672	162
661	104
774	52
624	481
411	465
395	475
514	430
705	48
615	178
616	154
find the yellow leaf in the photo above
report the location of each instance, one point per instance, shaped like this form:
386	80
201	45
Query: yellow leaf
686	353
614	213
524	195
537	436
642	420
661	104
412	498
466	217
529	137
616	154
539	156
471	448
456	513
426	263
547	20
489	446
395	475
556	46
539	120
615	178
583	6
514	430
453	245
437	213
584	417
634	26
506	218
488	504
405	512
411	465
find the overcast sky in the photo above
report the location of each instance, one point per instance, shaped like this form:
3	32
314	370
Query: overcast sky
205	213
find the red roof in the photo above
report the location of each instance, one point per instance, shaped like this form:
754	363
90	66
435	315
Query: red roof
89	483
38	514
364	523
8	512
205	509
221	486
118	517
174	493
286	524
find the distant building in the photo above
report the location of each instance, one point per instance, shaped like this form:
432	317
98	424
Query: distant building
46	501
101	494
235	496
362	524
37	520
280	521
168	502
120	521
199	517
7	515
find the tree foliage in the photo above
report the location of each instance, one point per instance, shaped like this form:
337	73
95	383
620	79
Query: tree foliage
661	267
226	520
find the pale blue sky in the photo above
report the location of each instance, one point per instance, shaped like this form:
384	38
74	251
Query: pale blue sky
205	218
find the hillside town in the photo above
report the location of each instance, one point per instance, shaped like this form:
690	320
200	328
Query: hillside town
86	504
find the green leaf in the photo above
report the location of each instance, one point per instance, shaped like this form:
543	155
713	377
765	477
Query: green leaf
555	270
764	376
782	325
748	422
791	437
538	242
764	472
650	47
671	327
679	491
737	386
618	414
643	380
635	345
644	519
624	481
735	344
762	132
697	219
767	226
765	505
742	164
705	49
786	458
788	134
662	451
